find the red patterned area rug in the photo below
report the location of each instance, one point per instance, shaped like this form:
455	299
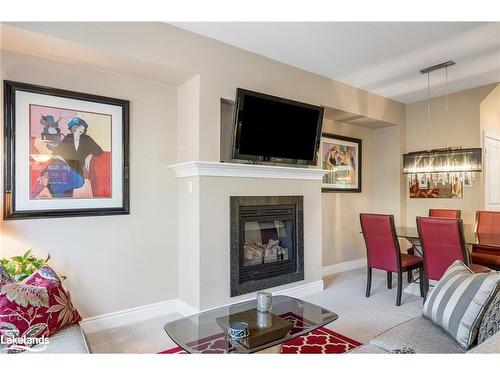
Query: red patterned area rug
319	341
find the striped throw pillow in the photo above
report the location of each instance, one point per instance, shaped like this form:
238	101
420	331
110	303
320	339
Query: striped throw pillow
458	302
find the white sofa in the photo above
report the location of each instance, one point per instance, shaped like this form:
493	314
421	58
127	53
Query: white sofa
69	340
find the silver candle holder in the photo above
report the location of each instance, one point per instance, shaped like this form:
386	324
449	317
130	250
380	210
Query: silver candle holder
264	319
264	301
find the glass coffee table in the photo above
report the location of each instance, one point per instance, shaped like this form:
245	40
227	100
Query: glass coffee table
206	332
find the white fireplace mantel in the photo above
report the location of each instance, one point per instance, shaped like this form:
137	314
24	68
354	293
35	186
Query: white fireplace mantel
215	169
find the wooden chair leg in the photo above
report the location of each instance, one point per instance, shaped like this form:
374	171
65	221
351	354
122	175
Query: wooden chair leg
410	276
421	277
426	287
389	280
368	281
400	288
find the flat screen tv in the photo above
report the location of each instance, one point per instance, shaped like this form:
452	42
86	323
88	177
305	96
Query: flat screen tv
269	128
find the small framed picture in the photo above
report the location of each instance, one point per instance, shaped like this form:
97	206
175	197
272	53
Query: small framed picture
342	156
66	153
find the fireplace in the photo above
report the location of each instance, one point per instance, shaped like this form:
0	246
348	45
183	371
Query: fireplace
267	242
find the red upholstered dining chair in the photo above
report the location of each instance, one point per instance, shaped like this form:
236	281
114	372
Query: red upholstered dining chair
487	224
443	243
444	212
383	252
436	212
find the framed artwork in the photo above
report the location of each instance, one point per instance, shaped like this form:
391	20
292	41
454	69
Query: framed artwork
342	156
66	153
421	186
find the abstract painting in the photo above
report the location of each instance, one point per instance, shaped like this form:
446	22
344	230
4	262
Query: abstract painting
67	153
342	156
70	154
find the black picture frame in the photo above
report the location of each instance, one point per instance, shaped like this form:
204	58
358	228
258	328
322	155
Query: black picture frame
359	144
10	212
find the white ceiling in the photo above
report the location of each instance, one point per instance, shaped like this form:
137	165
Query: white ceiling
381	57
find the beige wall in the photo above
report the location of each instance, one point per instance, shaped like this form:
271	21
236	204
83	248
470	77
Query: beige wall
188	110
462	129
388	182
188	234
490	111
112	262
381	184
340	211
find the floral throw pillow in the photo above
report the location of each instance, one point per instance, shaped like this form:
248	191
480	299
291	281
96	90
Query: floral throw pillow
36	308
491	320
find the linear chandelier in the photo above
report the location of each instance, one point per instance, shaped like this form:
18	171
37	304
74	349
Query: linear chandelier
448	160
443	161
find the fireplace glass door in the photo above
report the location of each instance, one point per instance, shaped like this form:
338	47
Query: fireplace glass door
267	241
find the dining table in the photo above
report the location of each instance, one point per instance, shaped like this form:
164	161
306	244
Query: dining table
471	237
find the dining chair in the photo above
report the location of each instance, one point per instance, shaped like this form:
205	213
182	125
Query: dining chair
487	224
443	242
444	212
436	212
383	252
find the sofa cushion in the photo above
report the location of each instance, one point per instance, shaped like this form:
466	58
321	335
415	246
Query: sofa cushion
491	320
459	300
489	346
420	334
34	309
69	340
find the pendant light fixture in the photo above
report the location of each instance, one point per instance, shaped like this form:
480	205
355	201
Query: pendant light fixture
445	163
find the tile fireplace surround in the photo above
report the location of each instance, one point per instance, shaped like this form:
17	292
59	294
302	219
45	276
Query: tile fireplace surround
203	218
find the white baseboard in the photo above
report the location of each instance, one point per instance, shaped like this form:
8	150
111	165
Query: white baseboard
342	267
186	309
128	316
303	290
155	310
296	292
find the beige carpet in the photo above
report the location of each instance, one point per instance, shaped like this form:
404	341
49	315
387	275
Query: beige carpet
360	318
147	336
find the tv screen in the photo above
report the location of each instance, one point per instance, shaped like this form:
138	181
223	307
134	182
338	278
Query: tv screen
269	128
